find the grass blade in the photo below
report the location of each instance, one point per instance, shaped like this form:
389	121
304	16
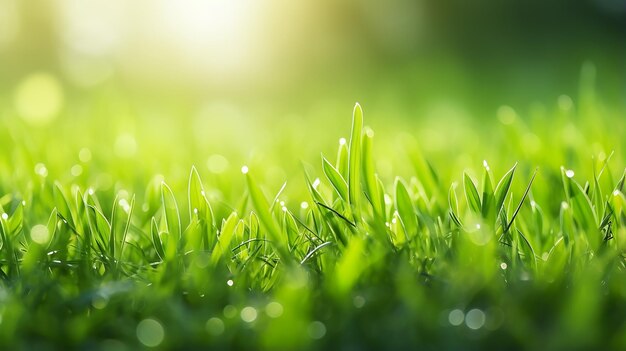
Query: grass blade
262	210
172	215
471	194
354	160
335	178
405	208
197	199
502	189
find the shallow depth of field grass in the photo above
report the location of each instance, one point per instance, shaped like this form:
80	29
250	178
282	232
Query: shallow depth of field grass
507	233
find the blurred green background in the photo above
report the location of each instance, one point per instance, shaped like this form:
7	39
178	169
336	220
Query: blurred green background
156	86
410	55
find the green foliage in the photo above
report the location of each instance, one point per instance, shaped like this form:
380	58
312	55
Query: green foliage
349	258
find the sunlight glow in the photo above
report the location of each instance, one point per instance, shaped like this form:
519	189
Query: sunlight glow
218	32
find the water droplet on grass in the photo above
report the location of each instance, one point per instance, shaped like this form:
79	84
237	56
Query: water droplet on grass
41	170
124	204
316	183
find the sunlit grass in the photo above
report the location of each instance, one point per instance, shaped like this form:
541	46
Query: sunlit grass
112	238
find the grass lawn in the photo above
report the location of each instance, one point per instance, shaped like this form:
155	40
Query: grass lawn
500	234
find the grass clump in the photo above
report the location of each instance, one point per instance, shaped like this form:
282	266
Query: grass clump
522	259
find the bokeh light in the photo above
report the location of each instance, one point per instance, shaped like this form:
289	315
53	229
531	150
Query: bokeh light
39	98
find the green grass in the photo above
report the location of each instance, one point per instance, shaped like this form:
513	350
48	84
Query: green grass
527	255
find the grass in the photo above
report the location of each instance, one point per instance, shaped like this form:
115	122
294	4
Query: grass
528	255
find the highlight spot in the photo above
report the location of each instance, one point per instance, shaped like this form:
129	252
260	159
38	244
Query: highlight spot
317	330
456	317
248	314
40	234
475	319
217	164
150	332
214	326
274	309
39	98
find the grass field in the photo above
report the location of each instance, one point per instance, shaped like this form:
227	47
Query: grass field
121	232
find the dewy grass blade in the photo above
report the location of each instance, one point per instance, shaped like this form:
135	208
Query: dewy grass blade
100	228
354	162
580	202
369	173
52	229
156	239
314	251
454	205
405	208
335	178
471	194
277	197
488	206
116	220
342	158
502	189
62	204
198	201
226	235
126	228
262	210
519	206
172	215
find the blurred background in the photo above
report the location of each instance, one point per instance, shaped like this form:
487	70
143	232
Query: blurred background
290	55
218	83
